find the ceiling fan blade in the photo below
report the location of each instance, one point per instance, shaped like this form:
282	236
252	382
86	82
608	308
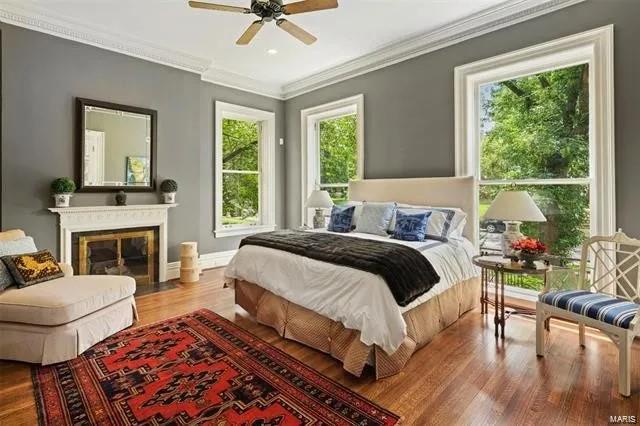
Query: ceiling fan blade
296	31
309	6
220	7
250	33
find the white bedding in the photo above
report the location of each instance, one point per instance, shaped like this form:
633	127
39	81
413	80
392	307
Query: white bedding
358	299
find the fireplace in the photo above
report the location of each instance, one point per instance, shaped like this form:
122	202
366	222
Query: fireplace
75	221
130	252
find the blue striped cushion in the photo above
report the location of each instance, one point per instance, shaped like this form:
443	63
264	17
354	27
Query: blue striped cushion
618	312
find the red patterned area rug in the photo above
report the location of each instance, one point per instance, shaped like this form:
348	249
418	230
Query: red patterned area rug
195	369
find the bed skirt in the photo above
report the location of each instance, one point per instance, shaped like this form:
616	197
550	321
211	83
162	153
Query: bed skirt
294	322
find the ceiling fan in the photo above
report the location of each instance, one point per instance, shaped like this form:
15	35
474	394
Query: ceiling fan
269	10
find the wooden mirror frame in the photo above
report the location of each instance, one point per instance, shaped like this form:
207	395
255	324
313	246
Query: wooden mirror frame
81	103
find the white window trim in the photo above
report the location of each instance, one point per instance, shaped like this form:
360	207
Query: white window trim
594	48
309	156
267	168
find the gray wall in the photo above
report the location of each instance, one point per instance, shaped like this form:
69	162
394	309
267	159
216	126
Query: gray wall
409	111
42	75
409	123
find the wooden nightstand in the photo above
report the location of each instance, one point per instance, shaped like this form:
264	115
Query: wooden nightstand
494	268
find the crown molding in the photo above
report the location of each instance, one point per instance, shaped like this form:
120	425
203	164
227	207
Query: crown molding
509	13
237	81
46	22
492	19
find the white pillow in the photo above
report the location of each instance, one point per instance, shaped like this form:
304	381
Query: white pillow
457	232
18	246
444	222
375	218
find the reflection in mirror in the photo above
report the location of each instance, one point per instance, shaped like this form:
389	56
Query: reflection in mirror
117	148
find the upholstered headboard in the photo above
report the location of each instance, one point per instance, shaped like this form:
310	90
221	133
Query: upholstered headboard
436	192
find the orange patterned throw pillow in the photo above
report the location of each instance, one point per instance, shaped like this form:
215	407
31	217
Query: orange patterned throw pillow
33	268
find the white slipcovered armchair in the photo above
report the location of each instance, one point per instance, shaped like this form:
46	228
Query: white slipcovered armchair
59	319
604	294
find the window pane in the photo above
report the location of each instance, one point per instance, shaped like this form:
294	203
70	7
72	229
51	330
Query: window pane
536	127
338	150
566	208
338	193
239	145
240	198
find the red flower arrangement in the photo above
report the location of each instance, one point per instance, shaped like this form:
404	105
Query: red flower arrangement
529	246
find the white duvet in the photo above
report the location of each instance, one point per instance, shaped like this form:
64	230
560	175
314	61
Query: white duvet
360	300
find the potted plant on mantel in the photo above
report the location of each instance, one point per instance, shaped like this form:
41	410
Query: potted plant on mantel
62	189
169	187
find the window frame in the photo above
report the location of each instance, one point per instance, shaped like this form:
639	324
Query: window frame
594	48
266	168
310	146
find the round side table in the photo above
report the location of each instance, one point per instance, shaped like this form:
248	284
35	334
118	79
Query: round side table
493	268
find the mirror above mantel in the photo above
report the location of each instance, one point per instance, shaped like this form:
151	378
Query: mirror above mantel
116	147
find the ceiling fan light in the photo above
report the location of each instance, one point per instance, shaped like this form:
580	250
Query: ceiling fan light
269	11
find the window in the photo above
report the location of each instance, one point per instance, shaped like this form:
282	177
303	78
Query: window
541	120
338	157
333	146
245	170
534	135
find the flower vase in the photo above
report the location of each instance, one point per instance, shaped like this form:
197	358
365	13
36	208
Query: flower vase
528	260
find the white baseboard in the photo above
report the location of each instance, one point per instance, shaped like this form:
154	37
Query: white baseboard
206	261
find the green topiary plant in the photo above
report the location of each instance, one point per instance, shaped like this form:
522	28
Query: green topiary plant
168	186
63	185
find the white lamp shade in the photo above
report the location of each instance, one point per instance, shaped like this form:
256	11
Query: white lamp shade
319	200
514	206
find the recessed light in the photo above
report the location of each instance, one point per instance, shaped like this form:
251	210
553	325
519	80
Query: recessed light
272	51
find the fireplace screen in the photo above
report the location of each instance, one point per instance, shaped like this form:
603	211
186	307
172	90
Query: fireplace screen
121	252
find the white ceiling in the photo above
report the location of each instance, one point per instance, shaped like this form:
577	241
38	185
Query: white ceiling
356	29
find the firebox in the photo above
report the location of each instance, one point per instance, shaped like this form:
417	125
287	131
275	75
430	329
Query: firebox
130	252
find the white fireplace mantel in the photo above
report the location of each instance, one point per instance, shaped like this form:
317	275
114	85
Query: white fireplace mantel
98	218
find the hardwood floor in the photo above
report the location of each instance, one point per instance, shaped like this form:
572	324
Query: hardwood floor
463	376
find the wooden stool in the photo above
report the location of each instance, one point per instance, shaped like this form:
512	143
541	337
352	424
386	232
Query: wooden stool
189	268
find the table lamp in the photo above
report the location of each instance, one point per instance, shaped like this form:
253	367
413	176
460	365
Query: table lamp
319	200
513	208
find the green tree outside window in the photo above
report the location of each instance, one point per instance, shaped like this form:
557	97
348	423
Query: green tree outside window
240	172
338	155
537	127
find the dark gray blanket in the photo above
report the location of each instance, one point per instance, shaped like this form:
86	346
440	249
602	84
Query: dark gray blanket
407	272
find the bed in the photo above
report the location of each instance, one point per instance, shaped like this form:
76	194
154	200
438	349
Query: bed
350	314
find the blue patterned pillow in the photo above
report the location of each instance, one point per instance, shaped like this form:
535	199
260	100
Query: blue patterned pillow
411	226
341	218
